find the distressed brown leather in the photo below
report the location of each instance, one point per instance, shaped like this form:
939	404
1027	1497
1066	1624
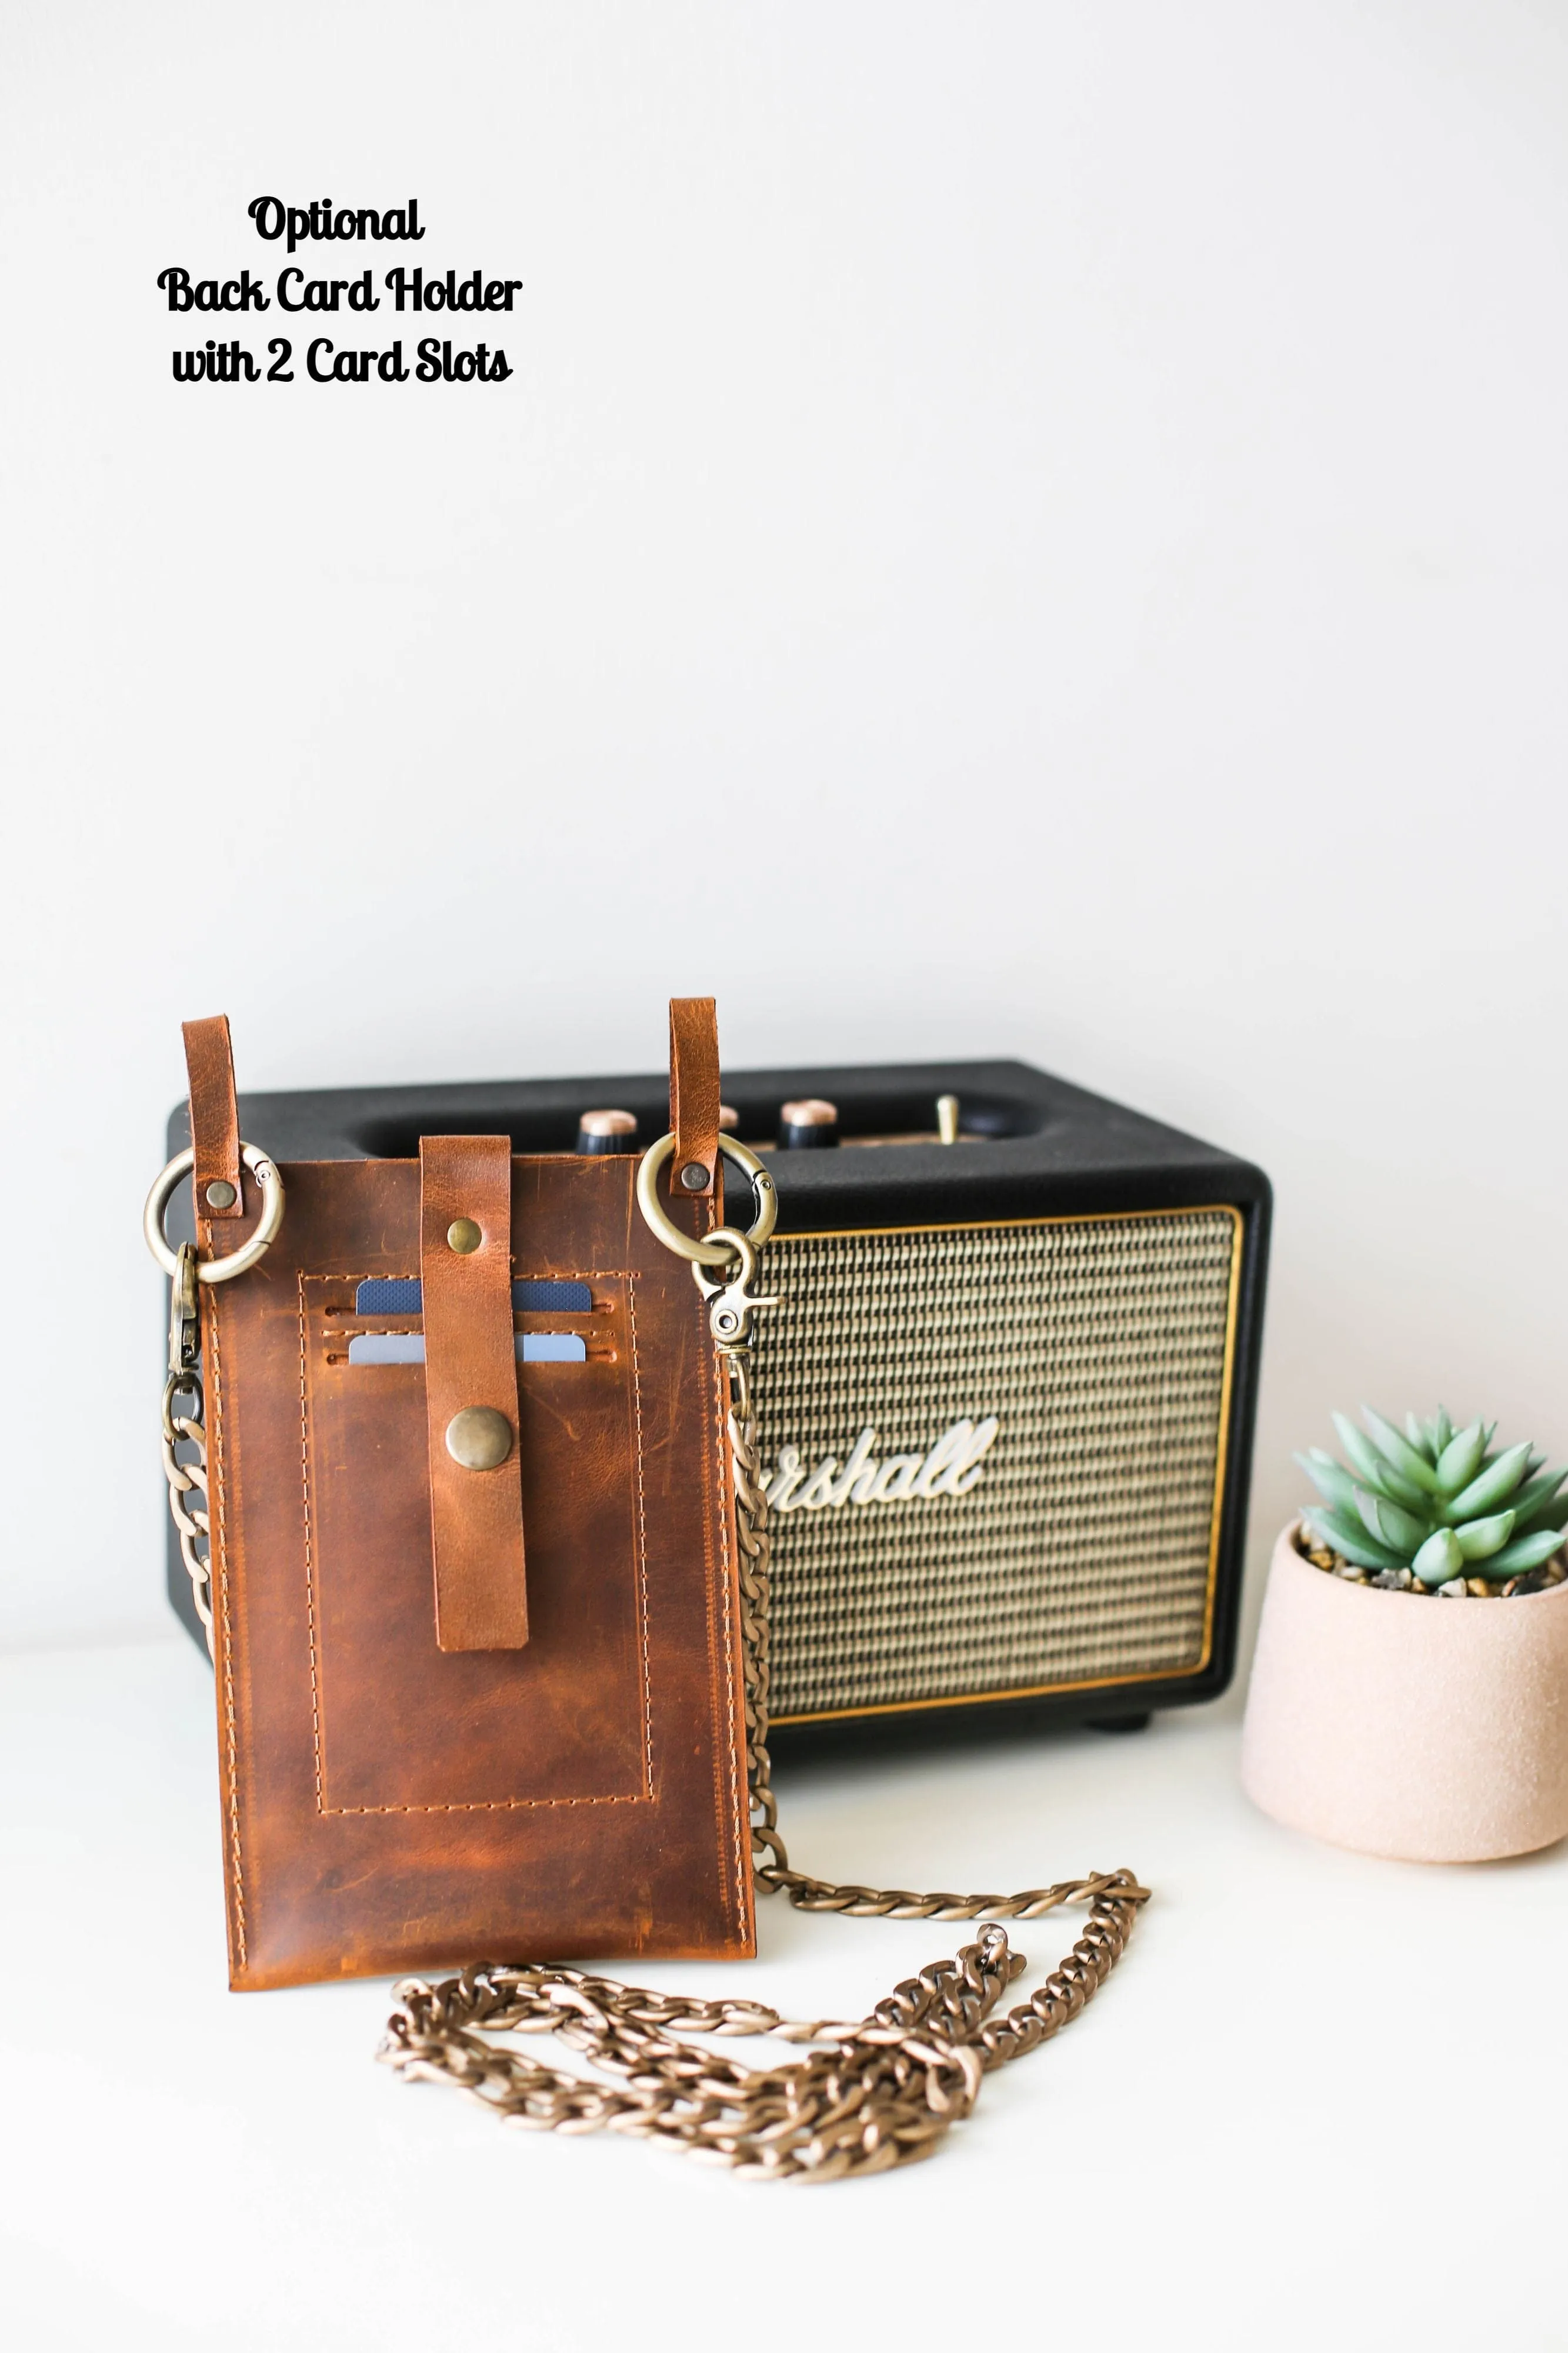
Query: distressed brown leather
388	1805
476	1517
693	1092
215	1117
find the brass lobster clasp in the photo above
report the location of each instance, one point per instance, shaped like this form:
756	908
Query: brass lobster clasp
732	1303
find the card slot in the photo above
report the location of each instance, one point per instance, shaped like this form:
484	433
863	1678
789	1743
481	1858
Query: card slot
408	1347
404	1295
536	1319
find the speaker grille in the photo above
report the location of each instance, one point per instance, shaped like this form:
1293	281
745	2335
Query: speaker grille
1084	1551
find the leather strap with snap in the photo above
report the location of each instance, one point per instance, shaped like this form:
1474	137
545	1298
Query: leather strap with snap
470	1392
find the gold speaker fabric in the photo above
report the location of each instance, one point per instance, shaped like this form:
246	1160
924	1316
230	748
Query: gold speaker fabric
1083	1551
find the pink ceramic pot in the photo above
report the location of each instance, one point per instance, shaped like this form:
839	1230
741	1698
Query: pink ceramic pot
1431	1729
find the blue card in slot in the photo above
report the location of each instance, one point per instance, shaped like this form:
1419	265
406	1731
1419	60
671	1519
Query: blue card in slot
381	1297
404	1295
408	1347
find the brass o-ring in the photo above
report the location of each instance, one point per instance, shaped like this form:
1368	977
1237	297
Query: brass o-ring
232	1262
703	1252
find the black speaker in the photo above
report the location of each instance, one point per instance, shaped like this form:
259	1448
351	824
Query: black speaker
1006	1398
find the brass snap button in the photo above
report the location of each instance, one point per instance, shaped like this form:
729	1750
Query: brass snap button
480	1438
463	1236
220	1194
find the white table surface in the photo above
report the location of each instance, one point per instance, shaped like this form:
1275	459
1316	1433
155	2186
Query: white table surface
1321	2102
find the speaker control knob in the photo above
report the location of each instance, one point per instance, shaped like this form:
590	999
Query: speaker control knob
809	1126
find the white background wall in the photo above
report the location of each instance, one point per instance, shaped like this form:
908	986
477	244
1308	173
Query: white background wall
1016	529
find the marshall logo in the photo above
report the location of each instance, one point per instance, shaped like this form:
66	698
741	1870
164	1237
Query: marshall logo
952	1467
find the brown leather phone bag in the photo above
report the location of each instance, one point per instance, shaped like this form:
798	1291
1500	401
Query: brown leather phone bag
483	1558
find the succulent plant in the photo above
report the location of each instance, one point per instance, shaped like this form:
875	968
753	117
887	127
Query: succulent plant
1434	1499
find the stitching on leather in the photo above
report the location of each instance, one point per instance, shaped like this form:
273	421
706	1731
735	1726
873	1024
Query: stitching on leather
236	1863
487	1805
718	1405
562	1274
309	1560
642	1539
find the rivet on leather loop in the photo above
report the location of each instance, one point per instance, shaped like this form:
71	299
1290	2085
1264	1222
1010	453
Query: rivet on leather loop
221	1193
480	1438
463	1236
694	1176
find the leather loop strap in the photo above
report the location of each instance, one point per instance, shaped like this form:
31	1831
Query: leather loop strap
471	1391
693	1095
215	1120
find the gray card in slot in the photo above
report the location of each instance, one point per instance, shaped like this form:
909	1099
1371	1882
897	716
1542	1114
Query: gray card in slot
408	1348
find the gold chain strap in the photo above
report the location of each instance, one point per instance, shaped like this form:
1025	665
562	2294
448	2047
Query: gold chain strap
882	2095
883	2092
192	1526
772	1864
